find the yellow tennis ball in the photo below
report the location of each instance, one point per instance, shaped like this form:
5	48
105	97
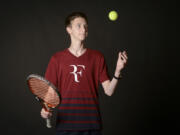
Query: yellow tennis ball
113	15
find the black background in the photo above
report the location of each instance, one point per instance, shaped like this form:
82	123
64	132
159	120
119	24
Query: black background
146	101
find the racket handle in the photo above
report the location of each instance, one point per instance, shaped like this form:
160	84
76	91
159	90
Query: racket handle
48	123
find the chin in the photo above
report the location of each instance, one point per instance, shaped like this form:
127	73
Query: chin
82	38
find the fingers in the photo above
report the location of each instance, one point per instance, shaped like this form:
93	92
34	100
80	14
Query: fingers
123	56
45	114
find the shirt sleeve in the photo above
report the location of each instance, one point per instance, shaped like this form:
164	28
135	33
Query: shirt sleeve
103	72
51	71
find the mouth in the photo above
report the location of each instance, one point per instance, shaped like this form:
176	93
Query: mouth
83	35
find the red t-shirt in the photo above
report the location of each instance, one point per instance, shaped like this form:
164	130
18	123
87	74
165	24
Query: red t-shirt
77	79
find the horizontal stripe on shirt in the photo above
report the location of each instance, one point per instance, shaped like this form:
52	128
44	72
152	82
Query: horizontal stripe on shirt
78	118
78	105
79	98
80	108
75	101
78	126
76	122
77	111
78	114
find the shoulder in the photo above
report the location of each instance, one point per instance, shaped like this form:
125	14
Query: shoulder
58	55
95	53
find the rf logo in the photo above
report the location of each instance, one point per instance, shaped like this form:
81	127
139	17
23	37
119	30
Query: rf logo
76	72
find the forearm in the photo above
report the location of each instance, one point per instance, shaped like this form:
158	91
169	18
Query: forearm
110	86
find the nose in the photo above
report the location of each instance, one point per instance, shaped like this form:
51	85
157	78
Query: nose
83	29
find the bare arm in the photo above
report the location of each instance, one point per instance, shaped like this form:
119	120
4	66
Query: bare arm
109	86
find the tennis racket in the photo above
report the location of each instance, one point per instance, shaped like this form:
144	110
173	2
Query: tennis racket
45	92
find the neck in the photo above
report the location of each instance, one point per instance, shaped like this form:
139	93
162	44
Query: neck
77	46
77	49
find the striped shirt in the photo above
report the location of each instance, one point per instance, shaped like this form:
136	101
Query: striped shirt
77	79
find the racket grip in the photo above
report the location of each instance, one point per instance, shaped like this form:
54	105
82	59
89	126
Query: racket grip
48	123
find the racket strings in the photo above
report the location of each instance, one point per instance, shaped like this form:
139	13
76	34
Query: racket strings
38	88
44	91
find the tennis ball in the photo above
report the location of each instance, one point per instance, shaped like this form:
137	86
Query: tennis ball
113	15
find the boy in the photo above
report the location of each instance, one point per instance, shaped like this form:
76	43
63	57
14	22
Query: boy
76	72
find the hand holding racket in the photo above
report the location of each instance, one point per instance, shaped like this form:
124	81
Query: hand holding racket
45	114
46	93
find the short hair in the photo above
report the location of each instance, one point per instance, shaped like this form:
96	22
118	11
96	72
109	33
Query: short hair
73	16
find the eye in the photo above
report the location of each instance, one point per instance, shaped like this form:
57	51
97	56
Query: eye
78	25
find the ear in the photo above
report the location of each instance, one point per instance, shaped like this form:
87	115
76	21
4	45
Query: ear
68	29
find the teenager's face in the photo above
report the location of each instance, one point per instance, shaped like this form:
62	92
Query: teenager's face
78	29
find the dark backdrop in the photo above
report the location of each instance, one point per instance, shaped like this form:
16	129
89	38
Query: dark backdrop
146	101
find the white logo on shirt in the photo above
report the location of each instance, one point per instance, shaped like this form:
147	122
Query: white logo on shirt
75	73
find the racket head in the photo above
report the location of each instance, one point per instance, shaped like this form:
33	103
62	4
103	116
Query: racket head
44	90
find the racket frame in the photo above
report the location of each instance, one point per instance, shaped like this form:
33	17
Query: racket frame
45	105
